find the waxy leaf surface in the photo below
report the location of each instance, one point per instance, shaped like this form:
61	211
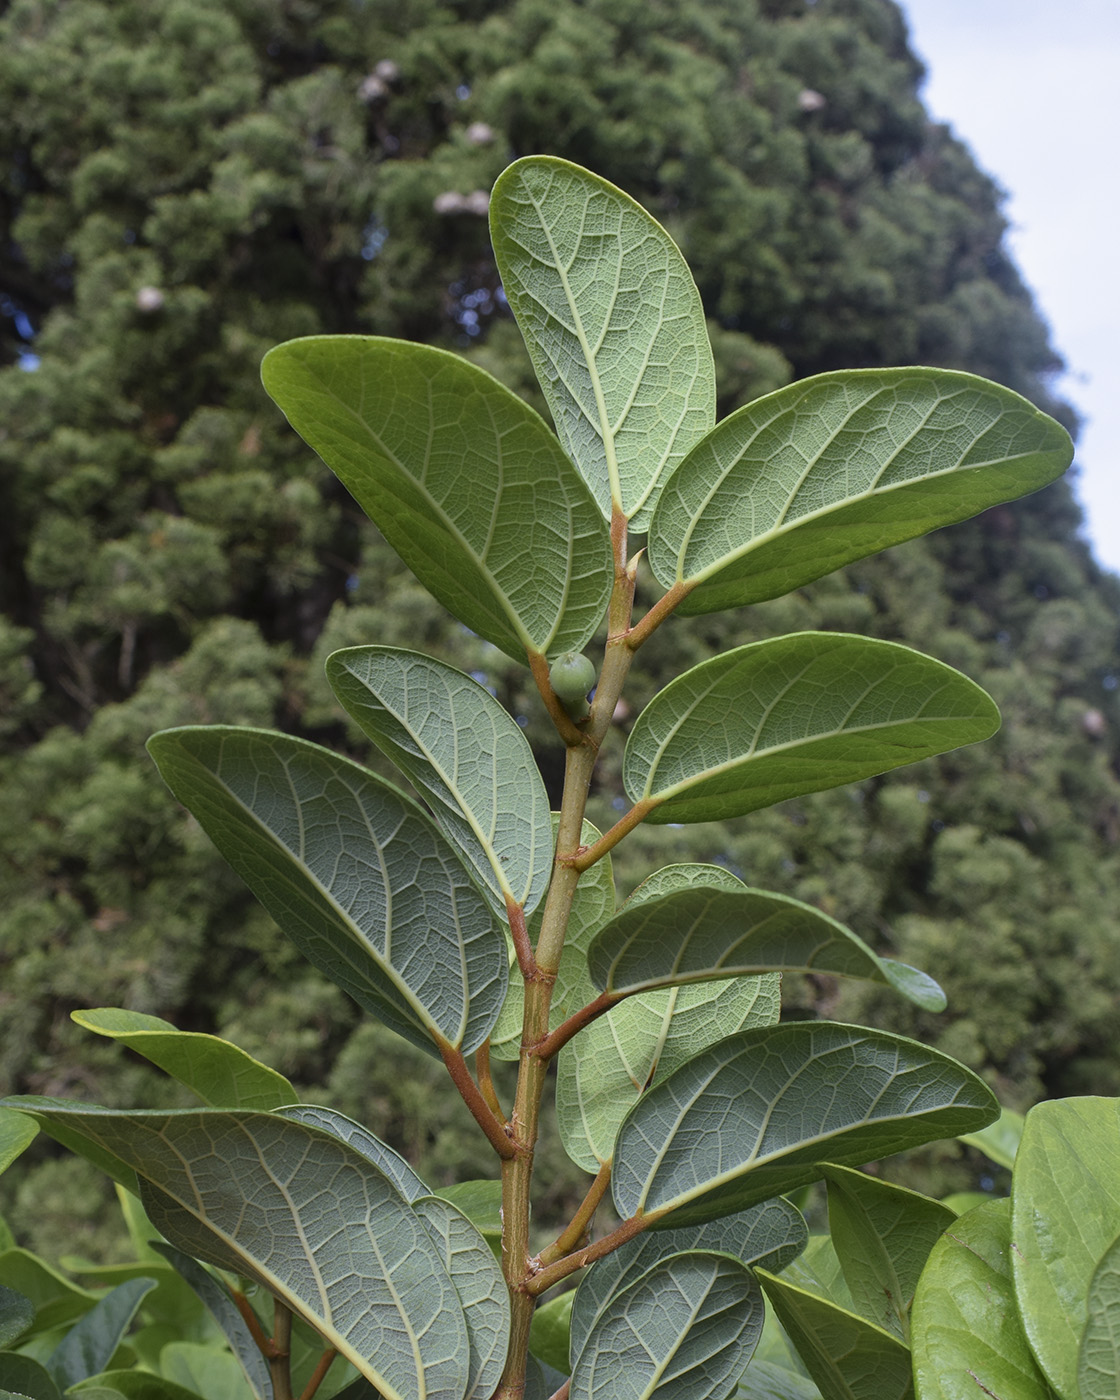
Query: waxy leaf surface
966	1333
687	1327
793	715
17	1132
221	1074
770	1234
839	466
523	555
353	872
613	323
1065	1213
1098	1364
758	1113
700	933
309	1219
465	754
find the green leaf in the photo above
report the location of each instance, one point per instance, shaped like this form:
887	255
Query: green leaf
56	1299
25	1379
765	1381
88	1346
592	905
967	1334
614	326
480	1201
383	1157
1098	1361
837	467
688	1326
226	1314
883	1235
522	557
1065	1213
137	1385
848	1357
310	1220
222	1075
482	1291
17	1132
772	1234
487	796
353	872
204	1370
550	1333
700	933
999	1141
758	1113
792	715
17	1314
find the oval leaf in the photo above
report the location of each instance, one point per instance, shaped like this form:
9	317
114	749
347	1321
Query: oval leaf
383	1157
613	323
688	1326
17	1314
1065	1213
88	1346
222	1075
487	796
966	1332
1098	1363
309	1219
758	1114
700	933
793	715
837	467
770	1234
17	1133
353	872
523	557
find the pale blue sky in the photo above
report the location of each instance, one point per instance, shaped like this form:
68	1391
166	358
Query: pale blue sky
1033	87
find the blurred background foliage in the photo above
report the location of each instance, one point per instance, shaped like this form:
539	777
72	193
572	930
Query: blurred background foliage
184	183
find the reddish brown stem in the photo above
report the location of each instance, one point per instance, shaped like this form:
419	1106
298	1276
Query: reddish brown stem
565	727
657	615
555	1041
483	1114
486	1082
580	1222
587	857
322	1367
521	945
252	1321
580	1258
564	1391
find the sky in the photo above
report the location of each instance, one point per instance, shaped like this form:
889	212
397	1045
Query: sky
1032	86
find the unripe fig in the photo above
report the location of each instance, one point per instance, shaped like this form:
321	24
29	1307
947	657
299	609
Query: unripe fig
571	675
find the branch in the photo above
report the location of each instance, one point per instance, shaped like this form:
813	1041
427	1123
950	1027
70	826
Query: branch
482	1112
555	1041
520	934
321	1369
279	1362
657	614
587	857
573	737
485	1080
543	1281
581	1221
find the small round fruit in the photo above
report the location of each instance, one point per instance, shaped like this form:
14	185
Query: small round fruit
571	675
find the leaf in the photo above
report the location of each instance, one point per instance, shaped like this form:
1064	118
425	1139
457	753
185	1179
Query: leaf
613	323
883	1235
999	1141
310	1220
592	905
699	933
487	796
792	715
137	1385
688	1326
56	1299
522	557
88	1346
758	1113
837	467
765	1381
17	1314
222	1075
204	1370
353	872
482	1291
550	1333
1065	1213
967	1335
848	1357
226	1314
480	1201
17	1132
1098	1362
541	1381
25	1379
772	1234
383	1157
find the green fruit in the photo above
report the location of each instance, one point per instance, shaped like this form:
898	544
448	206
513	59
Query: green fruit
571	675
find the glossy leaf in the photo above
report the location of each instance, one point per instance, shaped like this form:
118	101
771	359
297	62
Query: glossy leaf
700	933
592	905
1098	1361
17	1132
837	467
226	1314
383	1157
763	1380
353	872
757	1114
523	556
999	1141
308	1218
134	1385
222	1075
847	1357
613	323
88	1346
205	1370
17	1314
688	1326
57	1300
771	1234
482	1291
1065	1213
793	715
966	1333
550	1333
23	1378
480	1201
486	795
883	1235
